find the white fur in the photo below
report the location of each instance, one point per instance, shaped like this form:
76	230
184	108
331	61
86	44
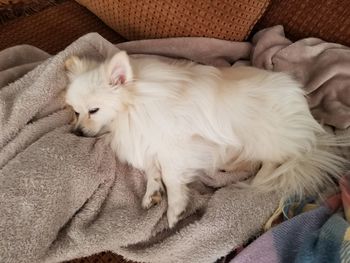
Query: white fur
178	121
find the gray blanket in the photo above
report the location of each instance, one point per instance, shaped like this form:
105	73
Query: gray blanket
64	197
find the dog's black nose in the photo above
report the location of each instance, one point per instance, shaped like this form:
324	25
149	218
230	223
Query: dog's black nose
78	132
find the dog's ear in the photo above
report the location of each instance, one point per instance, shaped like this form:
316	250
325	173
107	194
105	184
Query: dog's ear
74	66
119	69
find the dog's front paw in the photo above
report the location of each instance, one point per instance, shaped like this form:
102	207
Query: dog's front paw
153	195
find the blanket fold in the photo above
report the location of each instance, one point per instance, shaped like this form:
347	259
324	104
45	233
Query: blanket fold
320	66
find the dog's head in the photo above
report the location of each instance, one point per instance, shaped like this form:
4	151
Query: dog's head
95	92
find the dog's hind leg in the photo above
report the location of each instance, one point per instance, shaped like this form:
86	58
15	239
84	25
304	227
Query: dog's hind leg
177	193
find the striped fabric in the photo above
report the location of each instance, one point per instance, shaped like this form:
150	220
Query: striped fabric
309	233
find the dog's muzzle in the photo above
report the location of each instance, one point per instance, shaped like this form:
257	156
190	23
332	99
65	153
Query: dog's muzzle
78	132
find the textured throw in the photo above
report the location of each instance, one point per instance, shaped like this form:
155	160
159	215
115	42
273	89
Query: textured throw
317	234
64	197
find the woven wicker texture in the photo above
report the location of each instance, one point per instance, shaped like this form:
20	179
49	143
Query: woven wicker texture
140	19
54	28
10	2
326	19
10	10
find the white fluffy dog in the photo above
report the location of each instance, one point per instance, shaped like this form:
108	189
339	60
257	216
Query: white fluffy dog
179	120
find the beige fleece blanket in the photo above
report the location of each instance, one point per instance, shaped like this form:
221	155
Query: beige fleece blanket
63	196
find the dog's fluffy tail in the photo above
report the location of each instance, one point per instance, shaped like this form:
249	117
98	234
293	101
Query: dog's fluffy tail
308	173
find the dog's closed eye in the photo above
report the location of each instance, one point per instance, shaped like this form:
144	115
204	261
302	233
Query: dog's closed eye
76	114
93	111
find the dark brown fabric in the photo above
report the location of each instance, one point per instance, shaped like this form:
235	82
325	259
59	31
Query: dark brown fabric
144	19
54	28
105	257
327	19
